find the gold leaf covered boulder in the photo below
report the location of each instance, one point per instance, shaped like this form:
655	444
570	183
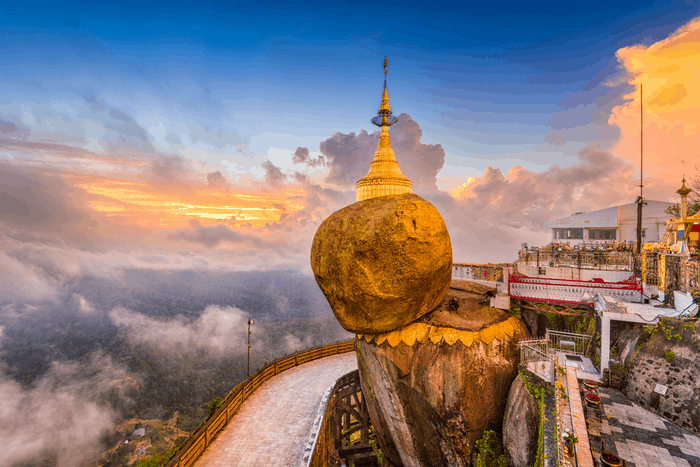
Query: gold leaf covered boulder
382	263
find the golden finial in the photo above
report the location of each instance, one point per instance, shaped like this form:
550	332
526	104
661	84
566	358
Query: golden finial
384	177
684	190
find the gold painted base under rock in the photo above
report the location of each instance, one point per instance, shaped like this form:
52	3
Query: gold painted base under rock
422	333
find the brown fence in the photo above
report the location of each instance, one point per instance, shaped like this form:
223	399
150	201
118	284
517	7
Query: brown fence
200	439
345	436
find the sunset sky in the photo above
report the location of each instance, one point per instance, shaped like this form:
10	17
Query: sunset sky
172	135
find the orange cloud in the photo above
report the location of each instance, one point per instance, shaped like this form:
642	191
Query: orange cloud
668	71
152	208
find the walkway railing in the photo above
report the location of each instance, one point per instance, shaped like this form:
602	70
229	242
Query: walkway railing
568	342
200	439
534	357
346	429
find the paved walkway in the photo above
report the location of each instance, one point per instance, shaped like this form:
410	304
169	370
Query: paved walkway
578	420
272	427
640	437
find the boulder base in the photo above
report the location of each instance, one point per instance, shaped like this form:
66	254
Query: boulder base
434	386
382	263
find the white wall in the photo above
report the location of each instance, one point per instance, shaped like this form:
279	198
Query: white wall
654	220
623	217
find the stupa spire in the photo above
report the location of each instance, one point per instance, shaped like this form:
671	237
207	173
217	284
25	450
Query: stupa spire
684	191
384	177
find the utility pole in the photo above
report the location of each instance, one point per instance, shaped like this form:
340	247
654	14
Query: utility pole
640	200
250	321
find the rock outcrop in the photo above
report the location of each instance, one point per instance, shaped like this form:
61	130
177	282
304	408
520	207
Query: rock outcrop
382	263
670	357
520	426
435	385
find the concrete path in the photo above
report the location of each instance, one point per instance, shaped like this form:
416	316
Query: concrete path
272	427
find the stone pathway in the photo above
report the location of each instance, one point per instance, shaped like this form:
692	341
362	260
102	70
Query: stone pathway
273	426
638	436
578	420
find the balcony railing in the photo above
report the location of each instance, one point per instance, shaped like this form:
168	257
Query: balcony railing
572	291
607	260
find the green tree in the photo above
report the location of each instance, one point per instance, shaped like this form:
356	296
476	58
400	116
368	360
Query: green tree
214	404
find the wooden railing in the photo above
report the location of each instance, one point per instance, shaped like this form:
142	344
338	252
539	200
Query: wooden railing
345	436
188	454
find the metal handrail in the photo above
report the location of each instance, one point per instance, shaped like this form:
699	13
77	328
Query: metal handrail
580	341
530	349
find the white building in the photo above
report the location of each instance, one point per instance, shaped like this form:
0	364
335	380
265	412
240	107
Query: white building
615	223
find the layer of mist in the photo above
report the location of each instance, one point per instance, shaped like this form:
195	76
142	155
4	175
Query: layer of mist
147	344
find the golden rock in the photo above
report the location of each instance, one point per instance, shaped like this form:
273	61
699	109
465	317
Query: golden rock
382	263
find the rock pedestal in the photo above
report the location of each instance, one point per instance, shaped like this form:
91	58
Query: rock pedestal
434	386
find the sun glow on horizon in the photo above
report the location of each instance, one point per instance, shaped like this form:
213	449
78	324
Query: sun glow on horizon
151	208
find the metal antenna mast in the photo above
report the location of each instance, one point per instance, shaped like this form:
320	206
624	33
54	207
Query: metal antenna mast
640	200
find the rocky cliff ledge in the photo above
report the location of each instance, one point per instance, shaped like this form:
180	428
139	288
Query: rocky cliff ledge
668	355
521	424
435	385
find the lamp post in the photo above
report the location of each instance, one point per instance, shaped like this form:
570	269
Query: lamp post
250	321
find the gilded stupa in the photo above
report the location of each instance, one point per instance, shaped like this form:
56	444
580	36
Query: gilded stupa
384	177
684	191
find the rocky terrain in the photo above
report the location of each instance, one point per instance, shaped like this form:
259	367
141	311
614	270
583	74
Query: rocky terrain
436	385
668	355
